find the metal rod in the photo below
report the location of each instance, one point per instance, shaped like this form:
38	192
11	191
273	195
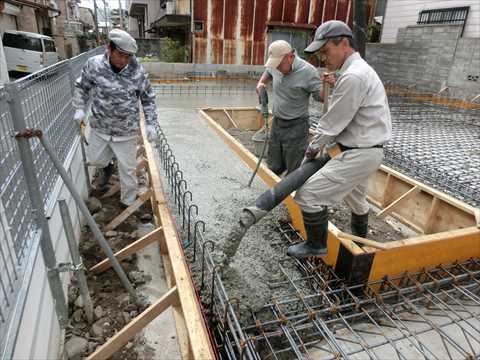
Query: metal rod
90	220
76	260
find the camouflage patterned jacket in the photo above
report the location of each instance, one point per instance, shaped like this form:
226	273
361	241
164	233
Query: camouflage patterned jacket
115	107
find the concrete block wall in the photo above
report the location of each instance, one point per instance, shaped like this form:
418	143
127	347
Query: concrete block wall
429	57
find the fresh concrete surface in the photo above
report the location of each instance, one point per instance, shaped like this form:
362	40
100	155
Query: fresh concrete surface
160	335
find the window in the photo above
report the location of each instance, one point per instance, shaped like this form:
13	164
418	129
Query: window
443	16
20	41
49	45
198	26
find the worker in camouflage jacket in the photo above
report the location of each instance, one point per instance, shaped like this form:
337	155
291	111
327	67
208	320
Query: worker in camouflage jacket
115	83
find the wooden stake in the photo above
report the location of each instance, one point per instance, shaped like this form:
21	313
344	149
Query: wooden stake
129	211
134	247
112	191
432	213
413	191
135	326
230	118
360	240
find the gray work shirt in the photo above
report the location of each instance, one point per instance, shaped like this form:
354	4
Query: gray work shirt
291	92
358	115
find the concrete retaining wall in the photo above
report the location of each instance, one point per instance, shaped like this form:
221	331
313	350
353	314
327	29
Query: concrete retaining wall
161	69
39	335
428	58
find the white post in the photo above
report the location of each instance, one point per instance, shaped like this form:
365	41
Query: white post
120	12
3	65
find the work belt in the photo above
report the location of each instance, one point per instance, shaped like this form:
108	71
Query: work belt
345	148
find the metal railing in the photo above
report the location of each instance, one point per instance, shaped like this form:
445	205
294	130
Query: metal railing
456	16
42	100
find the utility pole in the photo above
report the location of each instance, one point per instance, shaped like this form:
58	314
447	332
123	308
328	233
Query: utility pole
120	12
95	16
360	25
105	16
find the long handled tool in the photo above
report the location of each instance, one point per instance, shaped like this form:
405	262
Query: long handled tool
83	142
29	133
263	99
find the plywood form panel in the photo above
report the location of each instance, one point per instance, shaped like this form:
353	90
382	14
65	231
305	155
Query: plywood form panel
426	251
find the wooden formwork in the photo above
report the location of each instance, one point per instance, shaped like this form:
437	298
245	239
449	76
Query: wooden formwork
193	335
448	229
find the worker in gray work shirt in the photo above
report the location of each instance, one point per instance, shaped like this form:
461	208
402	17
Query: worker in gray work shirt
294	80
358	120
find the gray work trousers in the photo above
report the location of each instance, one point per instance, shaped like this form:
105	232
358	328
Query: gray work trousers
100	152
287	144
343	178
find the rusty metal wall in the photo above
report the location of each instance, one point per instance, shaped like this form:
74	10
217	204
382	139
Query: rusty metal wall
235	31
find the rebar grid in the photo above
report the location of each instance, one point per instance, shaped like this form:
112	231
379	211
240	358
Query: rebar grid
237	86
434	143
431	314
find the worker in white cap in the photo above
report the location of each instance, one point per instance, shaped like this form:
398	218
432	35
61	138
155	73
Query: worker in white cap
294	80
358	120
116	83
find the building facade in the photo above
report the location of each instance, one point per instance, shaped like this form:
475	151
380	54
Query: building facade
403	13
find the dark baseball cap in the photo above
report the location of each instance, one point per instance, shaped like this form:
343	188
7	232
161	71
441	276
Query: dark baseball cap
328	30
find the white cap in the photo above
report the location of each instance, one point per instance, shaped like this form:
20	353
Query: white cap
276	51
123	41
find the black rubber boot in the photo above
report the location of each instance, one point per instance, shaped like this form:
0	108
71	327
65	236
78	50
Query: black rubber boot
359	225
316	226
104	176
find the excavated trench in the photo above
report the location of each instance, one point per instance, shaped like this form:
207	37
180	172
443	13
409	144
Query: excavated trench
217	179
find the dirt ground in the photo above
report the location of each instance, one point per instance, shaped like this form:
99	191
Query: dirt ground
113	308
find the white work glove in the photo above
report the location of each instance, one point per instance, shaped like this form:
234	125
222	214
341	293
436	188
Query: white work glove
79	117
151	133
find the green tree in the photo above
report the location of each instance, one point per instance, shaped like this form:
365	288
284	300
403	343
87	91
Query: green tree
172	51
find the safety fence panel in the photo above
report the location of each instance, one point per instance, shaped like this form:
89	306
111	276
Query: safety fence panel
46	104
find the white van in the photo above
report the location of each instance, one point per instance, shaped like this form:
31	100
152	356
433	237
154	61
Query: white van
28	52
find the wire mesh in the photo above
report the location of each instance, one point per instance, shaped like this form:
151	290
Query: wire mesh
45	98
436	143
219	309
431	314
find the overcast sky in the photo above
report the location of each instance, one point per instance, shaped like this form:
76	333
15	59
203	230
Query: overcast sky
113	4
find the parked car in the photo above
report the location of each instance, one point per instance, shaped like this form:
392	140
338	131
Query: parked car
28	52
